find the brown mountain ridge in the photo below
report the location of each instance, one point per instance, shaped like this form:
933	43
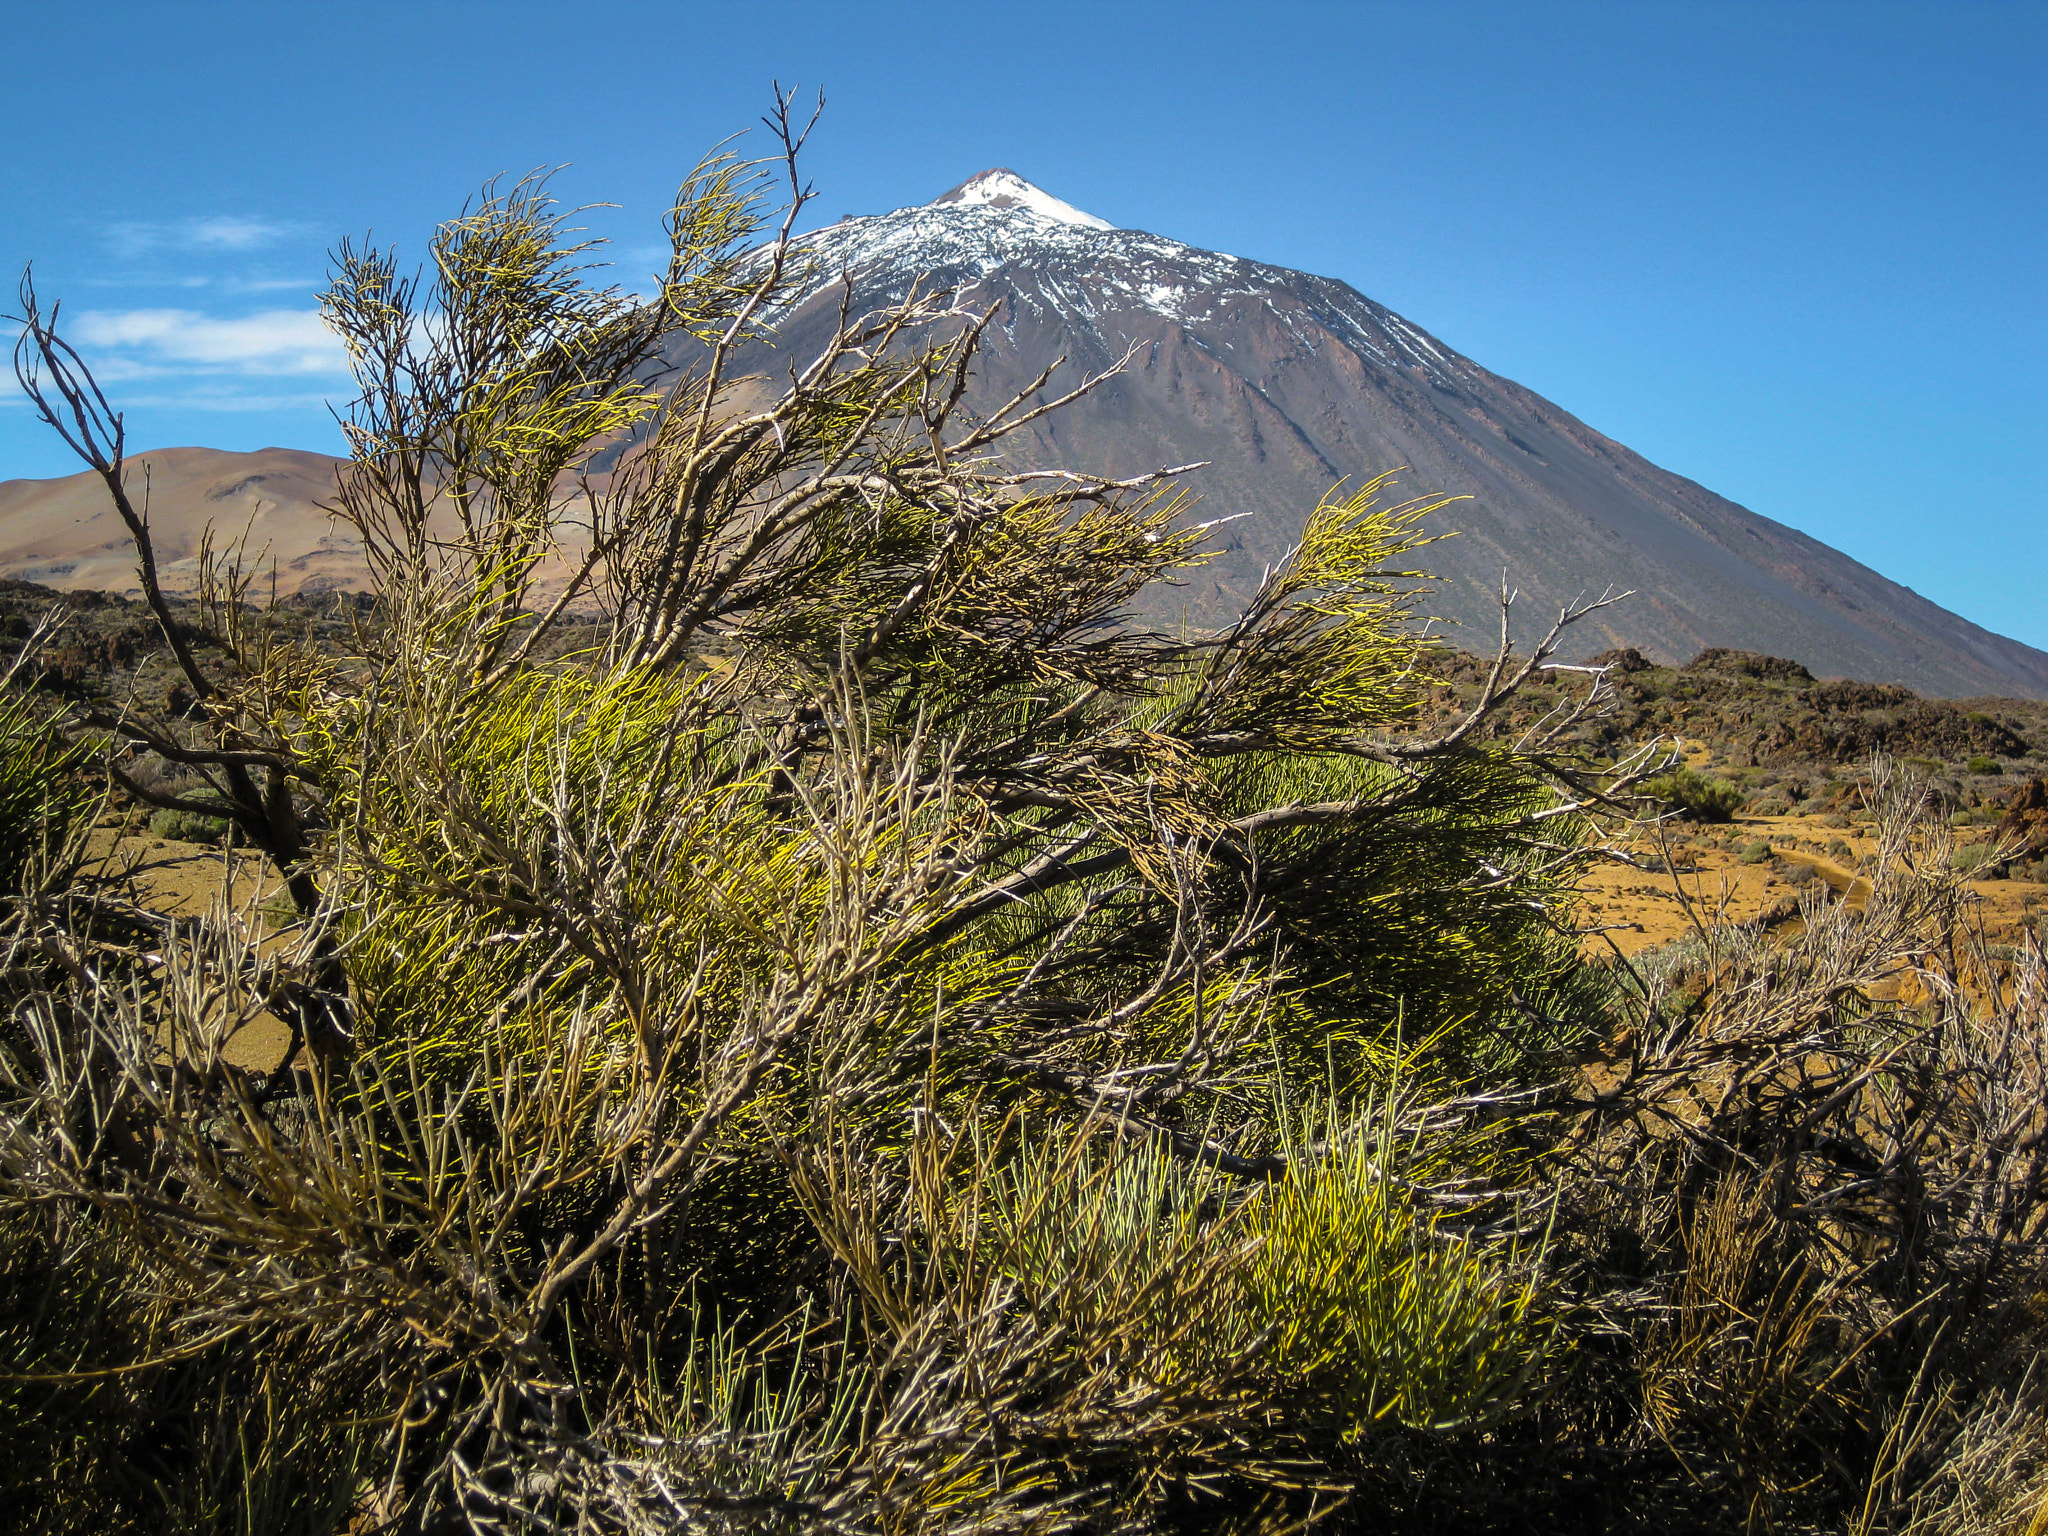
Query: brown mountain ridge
65	534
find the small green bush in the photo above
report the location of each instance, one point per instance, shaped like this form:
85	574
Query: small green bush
1373	1302
1970	859
1982	764
278	910
189	826
40	798
1693	795
1755	853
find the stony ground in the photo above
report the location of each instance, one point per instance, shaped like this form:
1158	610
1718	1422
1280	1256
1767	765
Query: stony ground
1796	753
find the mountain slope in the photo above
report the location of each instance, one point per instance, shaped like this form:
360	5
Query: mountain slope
1289	382
65	533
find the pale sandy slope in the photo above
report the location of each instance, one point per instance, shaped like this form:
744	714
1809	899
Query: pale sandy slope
65	533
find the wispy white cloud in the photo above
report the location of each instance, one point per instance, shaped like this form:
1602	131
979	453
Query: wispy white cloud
147	280
222	395
213	232
219	282
230	234
155	343
226	399
634	260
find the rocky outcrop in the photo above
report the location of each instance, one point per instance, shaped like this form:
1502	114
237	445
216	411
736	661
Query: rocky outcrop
1903	725
2024	826
1770	669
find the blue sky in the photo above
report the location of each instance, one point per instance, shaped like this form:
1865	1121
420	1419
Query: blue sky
1792	250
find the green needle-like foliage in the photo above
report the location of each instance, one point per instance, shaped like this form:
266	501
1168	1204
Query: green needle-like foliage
865	920
1385	1291
805	1015
42	796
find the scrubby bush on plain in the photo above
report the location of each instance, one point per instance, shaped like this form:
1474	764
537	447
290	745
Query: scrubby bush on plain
868	1039
869	973
189	826
1693	795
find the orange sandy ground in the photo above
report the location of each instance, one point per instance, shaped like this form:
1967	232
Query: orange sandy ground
1640	909
184	878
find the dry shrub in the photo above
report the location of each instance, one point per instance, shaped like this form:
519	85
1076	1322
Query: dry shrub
864	1038
821	1048
1832	1170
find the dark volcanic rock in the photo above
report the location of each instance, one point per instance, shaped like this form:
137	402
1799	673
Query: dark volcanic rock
1626	660
2025	822
1845	694
1836	729
1755	664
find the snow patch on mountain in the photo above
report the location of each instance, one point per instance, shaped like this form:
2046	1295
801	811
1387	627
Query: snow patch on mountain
998	232
1003	188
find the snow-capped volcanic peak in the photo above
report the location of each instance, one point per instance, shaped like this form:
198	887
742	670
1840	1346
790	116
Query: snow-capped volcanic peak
1002	188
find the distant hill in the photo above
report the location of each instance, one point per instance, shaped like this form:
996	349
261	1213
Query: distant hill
65	533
